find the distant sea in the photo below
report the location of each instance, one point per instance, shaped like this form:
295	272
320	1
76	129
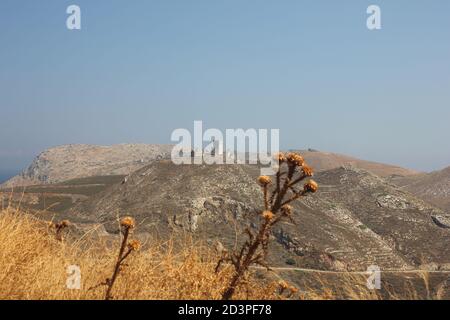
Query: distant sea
5	175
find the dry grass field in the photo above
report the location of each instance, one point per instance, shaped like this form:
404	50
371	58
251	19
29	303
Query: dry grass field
34	265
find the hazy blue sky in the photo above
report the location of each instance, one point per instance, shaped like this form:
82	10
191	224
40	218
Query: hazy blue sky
140	69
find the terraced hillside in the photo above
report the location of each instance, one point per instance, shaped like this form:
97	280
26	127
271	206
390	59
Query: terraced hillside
355	220
56	198
433	187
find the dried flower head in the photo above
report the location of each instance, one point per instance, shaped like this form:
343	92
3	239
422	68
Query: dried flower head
287	209
311	186
280	157
127	222
307	170
264	180
293	289
283	285
64	223
267	215
295	159
134	245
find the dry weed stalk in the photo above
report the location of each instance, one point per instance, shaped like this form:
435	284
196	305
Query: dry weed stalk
59	227
292	171
127	225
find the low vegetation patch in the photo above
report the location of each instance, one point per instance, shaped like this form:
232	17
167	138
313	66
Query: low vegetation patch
36	264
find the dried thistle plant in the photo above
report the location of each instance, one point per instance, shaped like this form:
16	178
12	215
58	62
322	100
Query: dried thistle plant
286	290
127	224
278	195
59	227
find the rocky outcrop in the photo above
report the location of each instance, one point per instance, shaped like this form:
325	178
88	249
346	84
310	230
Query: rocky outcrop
393	202
309	255
442	221
76	161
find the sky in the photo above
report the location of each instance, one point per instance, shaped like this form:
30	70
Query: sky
137	70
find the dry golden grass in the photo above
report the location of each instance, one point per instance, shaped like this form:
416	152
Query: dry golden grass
33	265
349	287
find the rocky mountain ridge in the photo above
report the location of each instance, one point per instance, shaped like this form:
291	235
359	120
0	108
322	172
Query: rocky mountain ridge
67	162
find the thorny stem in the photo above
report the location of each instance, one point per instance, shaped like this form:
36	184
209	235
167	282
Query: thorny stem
279	198
254	250
120	258
248	260
303	176
277	189
295	197
266	200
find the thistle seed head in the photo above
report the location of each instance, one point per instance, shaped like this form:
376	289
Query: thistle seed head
311	186
64	223
267	215
134	245
280	157
264	180
127	222
307	170
283	285
295	159
287	210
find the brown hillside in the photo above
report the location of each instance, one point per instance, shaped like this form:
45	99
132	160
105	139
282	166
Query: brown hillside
355	220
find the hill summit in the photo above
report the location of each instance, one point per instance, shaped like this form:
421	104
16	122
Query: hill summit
68	162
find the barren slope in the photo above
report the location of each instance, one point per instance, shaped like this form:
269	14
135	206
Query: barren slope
355	220
433	187
76	161
327	160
